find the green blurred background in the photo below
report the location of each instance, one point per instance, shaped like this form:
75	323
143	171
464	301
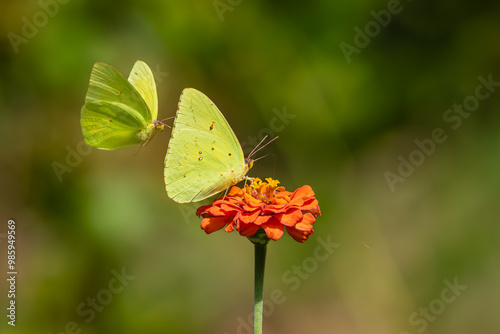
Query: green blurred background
84	215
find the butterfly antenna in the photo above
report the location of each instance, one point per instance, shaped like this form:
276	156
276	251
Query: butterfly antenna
167	118
257	148
265	156
162	123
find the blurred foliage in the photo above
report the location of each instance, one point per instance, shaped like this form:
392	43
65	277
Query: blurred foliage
350	123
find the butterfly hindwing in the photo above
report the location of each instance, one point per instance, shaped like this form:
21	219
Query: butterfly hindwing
109	126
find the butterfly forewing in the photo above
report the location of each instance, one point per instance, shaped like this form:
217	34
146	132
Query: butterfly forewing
108	85
143	81
204	156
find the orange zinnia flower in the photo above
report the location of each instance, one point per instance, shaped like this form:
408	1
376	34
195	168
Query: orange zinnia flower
263	205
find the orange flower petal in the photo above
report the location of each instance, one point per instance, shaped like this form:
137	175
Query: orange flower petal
229	227
247	230
299	236
283	194
229	206
212	224
235	191
274	209
273	228
301	195
249	217
309	204
252	201
281	201
215	211
202	209
306	223
304	191
251	206
262	219
290	218
316	212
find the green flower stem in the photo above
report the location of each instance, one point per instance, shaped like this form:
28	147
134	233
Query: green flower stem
260	263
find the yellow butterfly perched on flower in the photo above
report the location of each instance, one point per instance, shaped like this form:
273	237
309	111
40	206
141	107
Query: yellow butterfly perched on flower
204	156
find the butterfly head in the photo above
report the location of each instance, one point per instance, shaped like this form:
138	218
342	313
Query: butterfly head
158	125
249	162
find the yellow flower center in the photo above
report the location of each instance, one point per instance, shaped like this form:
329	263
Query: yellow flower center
263	191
